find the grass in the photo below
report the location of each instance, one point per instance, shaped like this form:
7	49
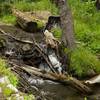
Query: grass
5	71
6	91
57	32
87	24
36	5
82	60
8	19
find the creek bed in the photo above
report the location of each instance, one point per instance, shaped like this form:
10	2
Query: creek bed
49	90
46	89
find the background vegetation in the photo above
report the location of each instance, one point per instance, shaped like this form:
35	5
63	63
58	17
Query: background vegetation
86	24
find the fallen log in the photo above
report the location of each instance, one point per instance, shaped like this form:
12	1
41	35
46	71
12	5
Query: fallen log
94	80
64	79
27	22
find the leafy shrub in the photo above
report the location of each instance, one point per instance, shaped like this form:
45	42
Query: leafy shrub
86	23
82	60
5	90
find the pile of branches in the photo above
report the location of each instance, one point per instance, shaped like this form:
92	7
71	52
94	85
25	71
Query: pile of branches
44	60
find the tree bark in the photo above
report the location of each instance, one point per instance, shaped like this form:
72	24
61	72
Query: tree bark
66	23
98	4
67	27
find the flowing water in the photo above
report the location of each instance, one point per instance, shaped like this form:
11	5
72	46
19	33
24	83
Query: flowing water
49	90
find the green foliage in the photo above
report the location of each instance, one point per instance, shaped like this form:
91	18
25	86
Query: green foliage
86	23
36	5
5	71
57	32
85	98
5	90
82	60
5	8
29	97
9	19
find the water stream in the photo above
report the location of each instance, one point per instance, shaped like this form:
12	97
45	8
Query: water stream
50	90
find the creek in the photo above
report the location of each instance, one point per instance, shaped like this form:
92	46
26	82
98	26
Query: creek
46	89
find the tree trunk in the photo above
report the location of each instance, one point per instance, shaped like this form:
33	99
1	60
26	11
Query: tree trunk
67	26
66	23
98	4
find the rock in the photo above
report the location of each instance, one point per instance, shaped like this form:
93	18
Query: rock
26	47
12	88
4	80
91	73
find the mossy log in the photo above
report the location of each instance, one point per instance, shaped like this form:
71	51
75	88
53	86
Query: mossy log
27	22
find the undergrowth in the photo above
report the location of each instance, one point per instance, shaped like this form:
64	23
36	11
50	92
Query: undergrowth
82	61
87	24
5	71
